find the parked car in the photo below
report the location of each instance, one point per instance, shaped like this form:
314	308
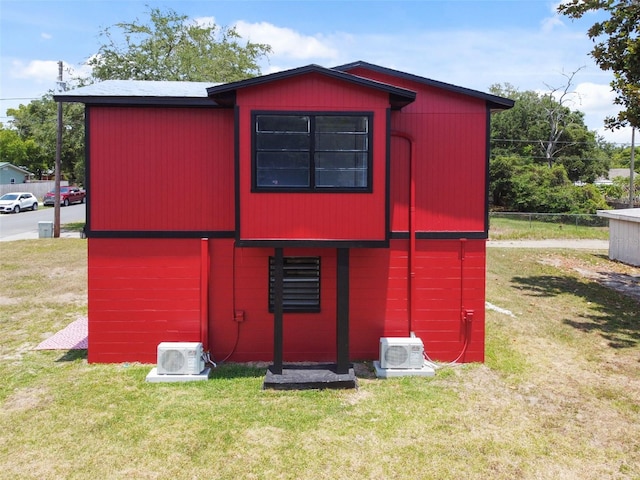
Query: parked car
15	202
68	195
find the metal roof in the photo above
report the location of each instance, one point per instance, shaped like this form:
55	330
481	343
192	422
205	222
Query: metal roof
139	92
628	214
142	92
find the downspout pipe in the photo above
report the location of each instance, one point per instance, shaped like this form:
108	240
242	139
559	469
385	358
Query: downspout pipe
204	293
412	223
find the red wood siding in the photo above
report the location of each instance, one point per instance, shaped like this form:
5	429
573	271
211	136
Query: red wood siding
400	193
317	216
450	278
306	335
450	134
172	169
141	293
446	283
161	169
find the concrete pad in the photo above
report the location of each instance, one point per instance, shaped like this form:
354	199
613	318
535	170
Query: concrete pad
154	377
425	371
309	377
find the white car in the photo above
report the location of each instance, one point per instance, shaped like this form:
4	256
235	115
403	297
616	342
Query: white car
17	201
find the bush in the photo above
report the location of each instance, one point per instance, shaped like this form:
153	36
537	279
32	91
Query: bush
522	187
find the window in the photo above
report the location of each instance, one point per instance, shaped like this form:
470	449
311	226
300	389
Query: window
301	291
312	152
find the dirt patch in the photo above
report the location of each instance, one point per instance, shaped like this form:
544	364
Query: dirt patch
27	399
614	275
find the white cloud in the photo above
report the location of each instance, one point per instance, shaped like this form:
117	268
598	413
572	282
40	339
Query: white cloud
286	42
40	71
46	36
596	98
549	23
205	21
621	136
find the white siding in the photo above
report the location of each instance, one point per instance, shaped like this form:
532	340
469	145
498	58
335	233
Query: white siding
624	235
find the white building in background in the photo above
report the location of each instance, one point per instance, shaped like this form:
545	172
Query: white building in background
624	234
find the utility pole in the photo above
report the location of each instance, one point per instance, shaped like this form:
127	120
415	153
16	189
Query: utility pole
56	198
632	167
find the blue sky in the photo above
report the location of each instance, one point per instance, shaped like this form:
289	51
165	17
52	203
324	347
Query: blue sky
470	43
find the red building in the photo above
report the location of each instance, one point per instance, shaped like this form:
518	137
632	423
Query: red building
297	216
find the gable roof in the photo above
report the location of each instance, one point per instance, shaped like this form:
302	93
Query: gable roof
225	94
15	167
494	102
153	92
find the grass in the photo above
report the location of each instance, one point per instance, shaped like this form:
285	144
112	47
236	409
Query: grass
525	229
558	396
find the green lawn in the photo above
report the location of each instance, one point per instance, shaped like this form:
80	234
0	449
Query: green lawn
524	228
558	396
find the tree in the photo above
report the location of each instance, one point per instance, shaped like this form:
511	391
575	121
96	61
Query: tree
616	49
18	152
538	188
540	128
169	47
36	125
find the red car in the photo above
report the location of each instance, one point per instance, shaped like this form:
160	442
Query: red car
68	195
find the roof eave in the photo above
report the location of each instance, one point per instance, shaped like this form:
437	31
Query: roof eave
136	100
225	94
494	102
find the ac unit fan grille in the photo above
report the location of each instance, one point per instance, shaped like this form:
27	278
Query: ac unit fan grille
396	355
172	360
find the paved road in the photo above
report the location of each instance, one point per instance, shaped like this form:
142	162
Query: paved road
24	225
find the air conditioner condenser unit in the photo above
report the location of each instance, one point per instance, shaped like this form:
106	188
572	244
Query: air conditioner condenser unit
180	358
401	353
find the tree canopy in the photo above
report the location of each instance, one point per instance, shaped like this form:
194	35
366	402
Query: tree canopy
35	124
542	130
616	49
169	46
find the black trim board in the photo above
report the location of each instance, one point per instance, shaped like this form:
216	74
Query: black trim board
285	243
450	235
342	311
494	102
225	94
87	170
139	101
487	175
440	235
387	183
313	189
236	167
313	243
160	234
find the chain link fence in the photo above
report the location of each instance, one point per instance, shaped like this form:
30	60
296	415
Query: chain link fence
564	219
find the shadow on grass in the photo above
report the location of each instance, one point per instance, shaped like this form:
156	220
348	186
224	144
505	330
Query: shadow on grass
73	355
237	370
614	316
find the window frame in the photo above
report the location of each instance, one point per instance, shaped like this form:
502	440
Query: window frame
313	187
289	262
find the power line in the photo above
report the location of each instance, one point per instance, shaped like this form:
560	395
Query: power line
18	98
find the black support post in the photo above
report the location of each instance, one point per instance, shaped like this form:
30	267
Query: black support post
278	294
342	314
